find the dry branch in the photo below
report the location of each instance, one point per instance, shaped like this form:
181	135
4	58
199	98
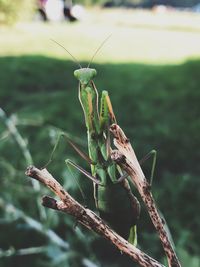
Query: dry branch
87	218
126	158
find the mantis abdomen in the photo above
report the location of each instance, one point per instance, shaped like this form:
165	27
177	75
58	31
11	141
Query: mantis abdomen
117	208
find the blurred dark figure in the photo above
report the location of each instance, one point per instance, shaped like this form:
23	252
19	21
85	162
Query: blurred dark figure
41	9
55	10
67	11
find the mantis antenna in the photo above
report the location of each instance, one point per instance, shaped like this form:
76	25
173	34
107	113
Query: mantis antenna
74	59
98	49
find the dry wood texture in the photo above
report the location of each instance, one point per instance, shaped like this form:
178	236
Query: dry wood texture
126	158
87	217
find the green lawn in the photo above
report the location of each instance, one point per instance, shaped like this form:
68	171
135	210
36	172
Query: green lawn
136	37
150	66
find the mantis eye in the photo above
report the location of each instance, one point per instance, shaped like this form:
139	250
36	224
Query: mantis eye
76	73
93	72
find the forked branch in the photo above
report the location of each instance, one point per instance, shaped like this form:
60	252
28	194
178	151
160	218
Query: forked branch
86	217
126	158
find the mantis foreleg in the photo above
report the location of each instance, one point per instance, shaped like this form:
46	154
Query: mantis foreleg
79	168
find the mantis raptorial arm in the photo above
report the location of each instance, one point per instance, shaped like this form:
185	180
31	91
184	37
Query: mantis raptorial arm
92	178
79	168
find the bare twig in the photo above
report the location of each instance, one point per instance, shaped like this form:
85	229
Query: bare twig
87	218
126	158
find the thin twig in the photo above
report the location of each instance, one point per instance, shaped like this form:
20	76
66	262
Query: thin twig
87	218
126	158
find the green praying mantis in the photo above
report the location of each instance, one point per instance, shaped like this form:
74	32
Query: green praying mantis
113	196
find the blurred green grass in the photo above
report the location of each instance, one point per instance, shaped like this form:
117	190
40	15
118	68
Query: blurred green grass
152	75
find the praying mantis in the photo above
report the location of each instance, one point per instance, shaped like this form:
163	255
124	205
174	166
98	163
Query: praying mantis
113	196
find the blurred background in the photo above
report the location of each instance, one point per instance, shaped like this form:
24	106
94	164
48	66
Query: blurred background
151	68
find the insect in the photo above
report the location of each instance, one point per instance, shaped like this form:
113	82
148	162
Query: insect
113	197
112	193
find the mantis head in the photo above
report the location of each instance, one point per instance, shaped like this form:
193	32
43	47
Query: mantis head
85	75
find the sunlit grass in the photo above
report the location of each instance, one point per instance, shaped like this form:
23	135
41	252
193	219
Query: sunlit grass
144	37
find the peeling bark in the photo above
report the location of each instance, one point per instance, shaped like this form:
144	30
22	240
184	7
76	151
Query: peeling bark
126	158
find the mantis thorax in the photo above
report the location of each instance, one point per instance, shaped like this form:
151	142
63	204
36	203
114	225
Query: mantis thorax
85	75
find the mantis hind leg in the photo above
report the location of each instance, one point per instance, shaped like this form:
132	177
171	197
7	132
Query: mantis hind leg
72	144
152	153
